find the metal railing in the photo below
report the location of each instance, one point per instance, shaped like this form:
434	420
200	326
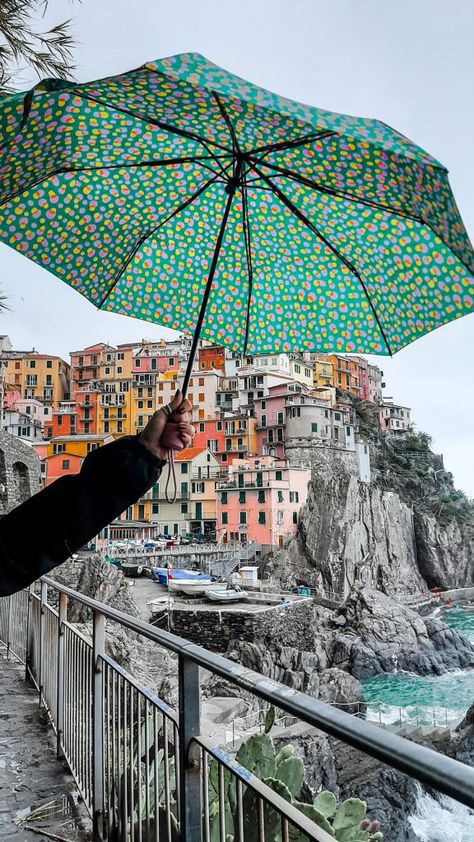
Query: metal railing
147	772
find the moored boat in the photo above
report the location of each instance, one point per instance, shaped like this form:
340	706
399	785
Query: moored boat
225	595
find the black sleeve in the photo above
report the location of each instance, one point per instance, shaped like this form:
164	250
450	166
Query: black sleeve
48	527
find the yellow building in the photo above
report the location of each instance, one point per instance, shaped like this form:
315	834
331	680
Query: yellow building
77	445
41	377
323	372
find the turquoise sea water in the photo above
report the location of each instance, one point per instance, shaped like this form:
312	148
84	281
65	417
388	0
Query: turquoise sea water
442	699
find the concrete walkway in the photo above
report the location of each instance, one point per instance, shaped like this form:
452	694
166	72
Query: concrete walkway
30	775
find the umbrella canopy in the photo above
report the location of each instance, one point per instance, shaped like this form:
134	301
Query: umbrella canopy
179	183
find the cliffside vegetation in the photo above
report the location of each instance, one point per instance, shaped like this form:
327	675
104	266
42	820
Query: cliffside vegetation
408	466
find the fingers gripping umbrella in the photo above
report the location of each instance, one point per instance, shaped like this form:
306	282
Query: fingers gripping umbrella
178	193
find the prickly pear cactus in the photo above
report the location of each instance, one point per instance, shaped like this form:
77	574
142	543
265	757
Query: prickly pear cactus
284	773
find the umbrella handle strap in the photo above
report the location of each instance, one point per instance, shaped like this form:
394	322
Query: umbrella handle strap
171	496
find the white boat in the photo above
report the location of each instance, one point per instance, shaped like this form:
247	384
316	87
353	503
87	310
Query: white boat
221	594
192	588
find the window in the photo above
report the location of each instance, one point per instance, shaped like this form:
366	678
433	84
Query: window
141	512
279	518
60	420
184	488
138	362
278	475
280	418
259	479
219	425
348	431
49	380
337	416
242	497
201	381
243	518
149	404
201	397
166	529
155	508
261	518
280	495
58	448
106	427
119	427
184	467
49	363
225	517
198	488
184	508
264	404
140	404
261	496
297	368
65	464
314	427
119	369
32	363
224	498
107	371
264	420
171	361
202	427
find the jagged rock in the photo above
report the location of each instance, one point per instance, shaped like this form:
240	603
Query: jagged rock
445	554
339	688
351	532
382	635
98	579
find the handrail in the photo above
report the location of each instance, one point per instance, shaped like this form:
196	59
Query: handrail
448	776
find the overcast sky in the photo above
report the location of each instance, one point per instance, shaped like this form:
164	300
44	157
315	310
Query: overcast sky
407	62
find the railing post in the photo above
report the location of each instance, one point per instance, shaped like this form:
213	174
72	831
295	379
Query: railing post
43	602
189	753
9	626
98	649
28	646
62	617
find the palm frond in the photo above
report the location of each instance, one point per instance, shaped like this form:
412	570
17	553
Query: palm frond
48	53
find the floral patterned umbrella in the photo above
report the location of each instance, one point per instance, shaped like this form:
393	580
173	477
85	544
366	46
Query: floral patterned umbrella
181	194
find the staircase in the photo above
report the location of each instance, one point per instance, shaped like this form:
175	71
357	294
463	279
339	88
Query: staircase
243	555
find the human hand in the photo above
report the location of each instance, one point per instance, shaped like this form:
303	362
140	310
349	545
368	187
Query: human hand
180	415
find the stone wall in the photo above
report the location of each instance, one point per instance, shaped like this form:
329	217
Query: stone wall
287	624
19	472
320	455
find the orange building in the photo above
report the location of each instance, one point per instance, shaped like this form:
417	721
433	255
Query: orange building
211	357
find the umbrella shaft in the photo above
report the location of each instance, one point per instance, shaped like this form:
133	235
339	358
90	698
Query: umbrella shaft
230	189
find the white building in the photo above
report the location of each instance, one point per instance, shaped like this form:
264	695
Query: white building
22	425
394	419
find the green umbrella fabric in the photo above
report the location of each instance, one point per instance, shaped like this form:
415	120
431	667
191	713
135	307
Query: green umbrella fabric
313	231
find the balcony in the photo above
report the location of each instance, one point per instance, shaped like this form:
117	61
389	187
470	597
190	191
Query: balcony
61	661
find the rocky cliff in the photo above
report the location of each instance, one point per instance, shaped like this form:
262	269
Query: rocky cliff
406	531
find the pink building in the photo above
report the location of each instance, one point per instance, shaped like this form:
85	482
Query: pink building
260	500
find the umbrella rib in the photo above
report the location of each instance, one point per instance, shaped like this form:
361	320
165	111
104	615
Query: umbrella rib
150	121
228	121
290	144
63	170
340	194
150	233
248	253
304	219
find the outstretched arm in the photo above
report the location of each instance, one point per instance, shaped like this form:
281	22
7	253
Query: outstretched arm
47	528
